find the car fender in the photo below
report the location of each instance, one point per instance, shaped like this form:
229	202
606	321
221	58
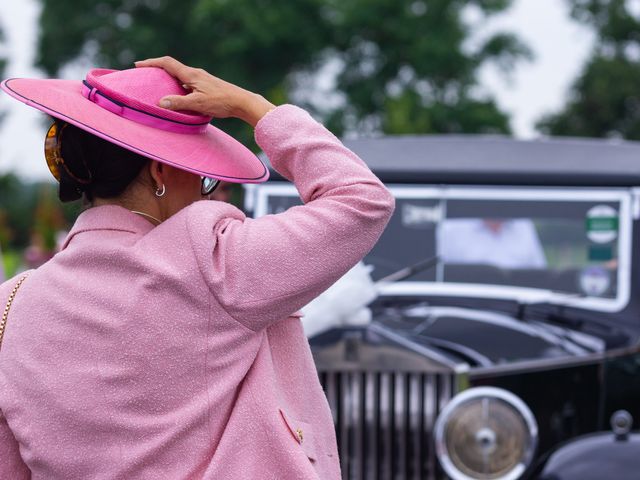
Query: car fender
595	457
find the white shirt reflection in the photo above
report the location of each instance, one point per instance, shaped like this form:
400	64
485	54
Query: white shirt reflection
512	243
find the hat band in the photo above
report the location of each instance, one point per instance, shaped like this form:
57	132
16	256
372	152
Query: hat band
138	116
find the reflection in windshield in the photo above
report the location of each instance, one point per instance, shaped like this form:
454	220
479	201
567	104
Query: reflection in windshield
567	245
504	243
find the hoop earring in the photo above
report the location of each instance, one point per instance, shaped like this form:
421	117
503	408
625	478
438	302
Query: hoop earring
160	191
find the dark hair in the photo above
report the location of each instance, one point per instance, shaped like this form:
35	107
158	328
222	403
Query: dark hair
101	168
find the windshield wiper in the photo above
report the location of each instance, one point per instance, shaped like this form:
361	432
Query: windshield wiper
411	270
549	308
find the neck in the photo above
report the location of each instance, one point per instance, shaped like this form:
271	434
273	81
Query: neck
148	210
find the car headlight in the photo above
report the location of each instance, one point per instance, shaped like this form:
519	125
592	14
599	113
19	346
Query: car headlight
485	433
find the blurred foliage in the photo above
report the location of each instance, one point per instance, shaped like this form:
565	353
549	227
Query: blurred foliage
11	263
605	98
48	218
401	66
31	212
17	203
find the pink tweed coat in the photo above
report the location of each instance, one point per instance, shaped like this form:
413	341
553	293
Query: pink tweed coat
175	352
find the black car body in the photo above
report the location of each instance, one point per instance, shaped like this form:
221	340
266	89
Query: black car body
502	365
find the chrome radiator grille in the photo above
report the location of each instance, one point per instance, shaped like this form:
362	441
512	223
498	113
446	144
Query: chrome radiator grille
384	422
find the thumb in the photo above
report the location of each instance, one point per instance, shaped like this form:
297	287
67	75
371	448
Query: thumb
176	102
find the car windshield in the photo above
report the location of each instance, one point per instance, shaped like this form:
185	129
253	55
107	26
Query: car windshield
571	241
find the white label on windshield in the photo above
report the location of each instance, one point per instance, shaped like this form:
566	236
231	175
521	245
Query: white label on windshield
602	224
594	281
420	216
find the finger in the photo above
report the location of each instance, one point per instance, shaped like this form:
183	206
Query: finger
178	102
169	64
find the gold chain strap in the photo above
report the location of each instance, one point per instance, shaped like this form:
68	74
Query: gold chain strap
3	322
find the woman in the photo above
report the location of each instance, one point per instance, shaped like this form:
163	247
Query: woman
163	340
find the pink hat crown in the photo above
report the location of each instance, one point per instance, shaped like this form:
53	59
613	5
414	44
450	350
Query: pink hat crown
139	91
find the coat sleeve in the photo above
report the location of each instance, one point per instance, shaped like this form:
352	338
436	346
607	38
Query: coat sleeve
11	464
264	269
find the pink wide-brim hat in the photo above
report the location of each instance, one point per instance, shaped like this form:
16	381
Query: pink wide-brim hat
121	106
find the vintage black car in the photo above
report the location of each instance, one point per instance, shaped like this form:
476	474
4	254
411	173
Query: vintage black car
511	348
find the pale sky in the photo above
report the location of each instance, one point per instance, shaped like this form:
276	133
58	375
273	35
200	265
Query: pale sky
560	47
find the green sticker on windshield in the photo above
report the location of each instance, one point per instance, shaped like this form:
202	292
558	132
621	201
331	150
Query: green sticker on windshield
600	253
602	224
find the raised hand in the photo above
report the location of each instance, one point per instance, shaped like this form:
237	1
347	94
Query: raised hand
210	95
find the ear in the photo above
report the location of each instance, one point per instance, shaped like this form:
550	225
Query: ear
156	172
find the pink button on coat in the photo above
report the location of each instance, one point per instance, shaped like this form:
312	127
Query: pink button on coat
175	352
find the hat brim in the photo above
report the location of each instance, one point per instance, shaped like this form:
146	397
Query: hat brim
211	154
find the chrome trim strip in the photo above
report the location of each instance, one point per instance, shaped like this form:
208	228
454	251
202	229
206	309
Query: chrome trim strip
400	430
553	363
415	410
430	414
357	424
372	416
386	425
343	427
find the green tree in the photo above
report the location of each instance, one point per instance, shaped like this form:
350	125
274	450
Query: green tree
404	66
605	98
